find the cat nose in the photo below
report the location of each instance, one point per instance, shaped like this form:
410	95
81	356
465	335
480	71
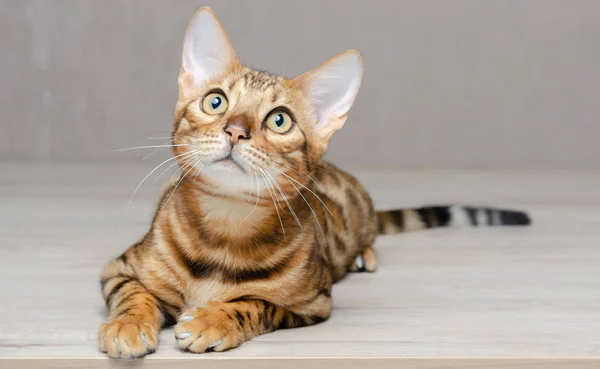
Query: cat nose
238	129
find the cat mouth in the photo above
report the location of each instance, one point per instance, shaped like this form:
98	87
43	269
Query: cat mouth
229	163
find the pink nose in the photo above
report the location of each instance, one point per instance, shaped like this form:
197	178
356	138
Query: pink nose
238	129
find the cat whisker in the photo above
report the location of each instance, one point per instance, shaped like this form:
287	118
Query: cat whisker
311	209
285	198
156	150
279	202
178	171
271	156
306	174
153	152
274	202
308	189
202	163
172	134
164	171
257	197
148	147
159	148
166	146
186	135
191	166
161	138
154	170
270	187
199	141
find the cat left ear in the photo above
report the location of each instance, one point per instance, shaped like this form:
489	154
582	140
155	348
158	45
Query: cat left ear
207	51
331	89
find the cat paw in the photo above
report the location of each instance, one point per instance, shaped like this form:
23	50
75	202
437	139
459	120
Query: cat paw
213	328
127	338
366	261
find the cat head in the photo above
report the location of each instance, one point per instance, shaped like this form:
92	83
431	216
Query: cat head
238	129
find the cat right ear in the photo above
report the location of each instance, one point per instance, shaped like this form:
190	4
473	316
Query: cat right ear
207	51
331	89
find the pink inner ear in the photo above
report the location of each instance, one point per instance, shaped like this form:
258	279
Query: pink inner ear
207	51
332	88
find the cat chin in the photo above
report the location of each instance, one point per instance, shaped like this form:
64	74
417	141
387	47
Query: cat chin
229	177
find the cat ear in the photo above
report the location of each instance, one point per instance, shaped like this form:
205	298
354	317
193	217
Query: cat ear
331	89
207	51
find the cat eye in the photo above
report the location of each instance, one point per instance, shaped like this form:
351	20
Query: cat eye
279	121
214	103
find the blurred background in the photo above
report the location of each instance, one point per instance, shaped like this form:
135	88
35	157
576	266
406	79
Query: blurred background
448	84
483	102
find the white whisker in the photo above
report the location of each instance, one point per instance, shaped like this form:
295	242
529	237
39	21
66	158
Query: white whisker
271	156
306	174
285	198
257	197
311	209
156	150
160	138
153	170
148	147
202	162
153	152
318	198
191	166
274	203
165	171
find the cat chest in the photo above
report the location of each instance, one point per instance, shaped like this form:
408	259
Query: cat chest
200	293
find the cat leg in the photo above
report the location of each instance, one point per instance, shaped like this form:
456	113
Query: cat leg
366	261
222	326
134	314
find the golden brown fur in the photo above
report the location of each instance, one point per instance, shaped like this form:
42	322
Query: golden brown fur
225	261
192	258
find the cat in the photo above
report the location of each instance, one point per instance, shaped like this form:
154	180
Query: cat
256	227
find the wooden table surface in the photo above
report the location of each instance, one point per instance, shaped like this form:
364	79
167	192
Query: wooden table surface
447	293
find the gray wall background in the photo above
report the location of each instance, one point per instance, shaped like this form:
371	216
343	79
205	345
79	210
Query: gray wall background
448	83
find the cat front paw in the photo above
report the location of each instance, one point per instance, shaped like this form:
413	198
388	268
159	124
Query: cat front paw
366	261
213	328
127	338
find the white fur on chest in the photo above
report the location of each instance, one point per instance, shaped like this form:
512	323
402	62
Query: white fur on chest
233	211
238	218
230	181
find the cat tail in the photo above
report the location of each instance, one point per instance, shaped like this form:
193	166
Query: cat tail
405	220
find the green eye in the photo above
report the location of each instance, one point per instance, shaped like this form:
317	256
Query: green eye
279	122
214	103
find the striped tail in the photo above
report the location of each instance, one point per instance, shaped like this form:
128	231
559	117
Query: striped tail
405	220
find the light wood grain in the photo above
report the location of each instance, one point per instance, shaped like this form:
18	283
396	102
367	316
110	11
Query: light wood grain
449	293
311	363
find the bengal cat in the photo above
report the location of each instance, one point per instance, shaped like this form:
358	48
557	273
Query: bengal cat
255	229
